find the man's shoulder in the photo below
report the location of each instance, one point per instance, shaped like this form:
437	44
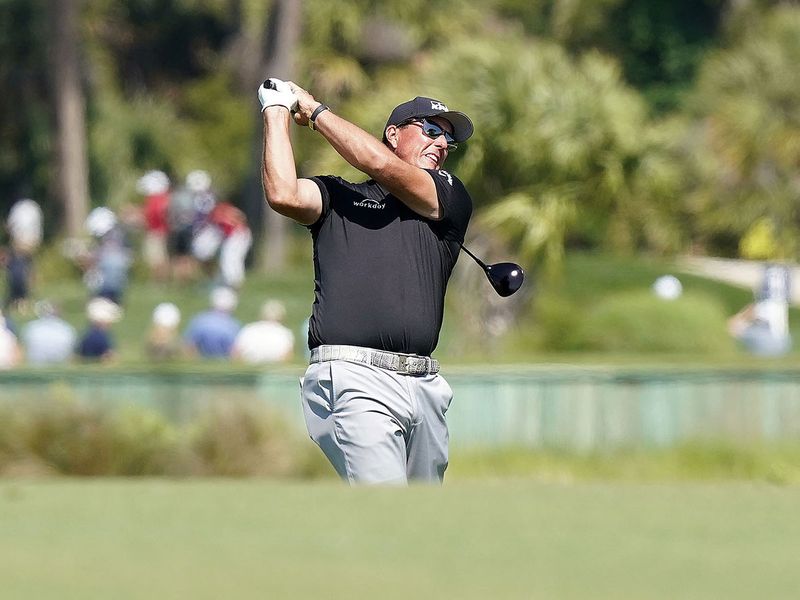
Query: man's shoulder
447	178
334	182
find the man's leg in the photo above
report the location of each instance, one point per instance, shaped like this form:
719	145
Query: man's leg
359	416
428	442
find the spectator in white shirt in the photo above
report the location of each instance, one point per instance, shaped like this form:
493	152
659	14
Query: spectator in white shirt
267	340
48	339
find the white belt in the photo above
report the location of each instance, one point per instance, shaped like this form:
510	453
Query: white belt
402	364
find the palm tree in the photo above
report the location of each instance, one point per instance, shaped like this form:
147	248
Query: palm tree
561	149
747	108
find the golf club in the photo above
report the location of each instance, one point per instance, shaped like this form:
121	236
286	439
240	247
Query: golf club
505	277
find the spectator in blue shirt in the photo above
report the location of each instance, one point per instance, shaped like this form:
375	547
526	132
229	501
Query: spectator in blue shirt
97	343
211	333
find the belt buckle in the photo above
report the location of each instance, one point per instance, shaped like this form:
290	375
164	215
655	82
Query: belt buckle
420	365
402	364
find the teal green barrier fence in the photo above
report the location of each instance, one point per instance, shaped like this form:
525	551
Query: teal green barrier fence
571	408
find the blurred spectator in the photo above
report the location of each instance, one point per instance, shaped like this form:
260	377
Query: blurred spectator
48	339
97	343
189	208
236	242
163	340
267	340
762	327
211	333
154	186
10	353
19	272
110	260
25	226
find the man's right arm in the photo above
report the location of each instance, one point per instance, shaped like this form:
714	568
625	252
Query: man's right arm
298	199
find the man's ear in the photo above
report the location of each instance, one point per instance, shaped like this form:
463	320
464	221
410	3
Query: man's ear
391	136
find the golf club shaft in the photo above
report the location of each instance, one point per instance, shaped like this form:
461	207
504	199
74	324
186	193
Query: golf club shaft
475	258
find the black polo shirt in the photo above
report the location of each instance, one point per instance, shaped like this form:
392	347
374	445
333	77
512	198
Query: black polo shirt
380	269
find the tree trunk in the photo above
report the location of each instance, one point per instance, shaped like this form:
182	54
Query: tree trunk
271	55
72	172
284	31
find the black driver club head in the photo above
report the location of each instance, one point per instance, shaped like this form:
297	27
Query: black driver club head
505	277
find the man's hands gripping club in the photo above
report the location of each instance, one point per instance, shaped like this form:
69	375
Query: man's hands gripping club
274	92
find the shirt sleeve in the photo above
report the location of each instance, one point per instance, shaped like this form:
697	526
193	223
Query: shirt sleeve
455	202
326	203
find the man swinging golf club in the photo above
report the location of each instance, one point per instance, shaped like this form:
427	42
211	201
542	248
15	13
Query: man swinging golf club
383	252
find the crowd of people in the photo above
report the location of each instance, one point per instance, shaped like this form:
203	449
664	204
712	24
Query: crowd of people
186	234
48	339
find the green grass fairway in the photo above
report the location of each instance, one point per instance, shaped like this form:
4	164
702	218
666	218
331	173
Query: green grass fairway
196	539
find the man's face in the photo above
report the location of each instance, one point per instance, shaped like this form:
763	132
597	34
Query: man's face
412	144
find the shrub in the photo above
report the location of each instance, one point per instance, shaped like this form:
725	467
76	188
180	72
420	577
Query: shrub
59	435
65	436
239	438
638	321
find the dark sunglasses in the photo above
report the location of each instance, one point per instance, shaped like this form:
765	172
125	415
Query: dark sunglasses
433	131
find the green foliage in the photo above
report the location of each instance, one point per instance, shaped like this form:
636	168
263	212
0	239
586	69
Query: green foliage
564	151
658	43
25	117
639	321
748	103
210	129
775	463
61	436
634	322
238	439
661	43
561	90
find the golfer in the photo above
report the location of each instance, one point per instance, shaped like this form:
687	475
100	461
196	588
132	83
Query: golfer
383	252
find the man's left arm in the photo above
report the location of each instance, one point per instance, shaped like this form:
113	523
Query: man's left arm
410	184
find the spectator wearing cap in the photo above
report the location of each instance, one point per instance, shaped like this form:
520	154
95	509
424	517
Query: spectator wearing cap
96	344
24	226
211	333
163	340
236	241
110	261
154	186
189	207
267	340
48	339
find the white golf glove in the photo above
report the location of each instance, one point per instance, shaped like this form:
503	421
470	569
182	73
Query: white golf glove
274	92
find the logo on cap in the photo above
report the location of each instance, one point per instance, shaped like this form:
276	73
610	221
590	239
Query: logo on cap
435	105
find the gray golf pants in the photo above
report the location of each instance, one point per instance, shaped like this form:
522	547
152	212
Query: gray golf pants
375	426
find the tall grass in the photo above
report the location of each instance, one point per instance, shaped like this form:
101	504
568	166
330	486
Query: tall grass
59	435
691	461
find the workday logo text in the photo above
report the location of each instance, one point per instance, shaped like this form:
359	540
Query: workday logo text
369	203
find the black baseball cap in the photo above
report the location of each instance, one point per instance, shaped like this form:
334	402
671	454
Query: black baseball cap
421	107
